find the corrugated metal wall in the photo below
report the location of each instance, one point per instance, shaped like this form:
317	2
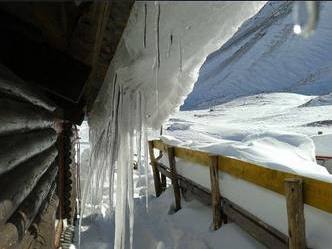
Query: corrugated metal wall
36	161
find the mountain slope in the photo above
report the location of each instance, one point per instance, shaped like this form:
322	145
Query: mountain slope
266	56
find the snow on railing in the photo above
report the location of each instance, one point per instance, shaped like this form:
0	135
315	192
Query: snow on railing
299	190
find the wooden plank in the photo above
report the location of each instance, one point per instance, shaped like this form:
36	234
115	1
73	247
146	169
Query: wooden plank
202	194
13	231
186	154
162	176
295	213
16	149
158	144
61	165
175	184
164	170
41	233
263	232
18	117
45	224
18	183
58	231
255	227
198	157
156	175
316	193
199	192
215	193
163	182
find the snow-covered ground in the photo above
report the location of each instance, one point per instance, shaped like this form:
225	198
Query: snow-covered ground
157	227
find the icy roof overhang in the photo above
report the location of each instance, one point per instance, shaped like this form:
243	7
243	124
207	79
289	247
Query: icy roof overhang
161	51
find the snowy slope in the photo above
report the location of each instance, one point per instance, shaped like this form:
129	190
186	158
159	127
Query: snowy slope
266	56
272	129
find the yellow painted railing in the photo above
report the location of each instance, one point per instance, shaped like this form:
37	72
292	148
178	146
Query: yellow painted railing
316	193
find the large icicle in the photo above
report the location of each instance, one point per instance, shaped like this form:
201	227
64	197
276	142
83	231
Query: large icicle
135	79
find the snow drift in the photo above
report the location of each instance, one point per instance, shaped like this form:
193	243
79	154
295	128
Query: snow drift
292	153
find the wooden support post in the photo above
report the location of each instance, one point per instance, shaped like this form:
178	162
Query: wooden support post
156	175
296	223
163	182
46	229
58	230
175	183
215	193
61	177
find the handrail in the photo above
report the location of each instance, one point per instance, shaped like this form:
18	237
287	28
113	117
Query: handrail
316	193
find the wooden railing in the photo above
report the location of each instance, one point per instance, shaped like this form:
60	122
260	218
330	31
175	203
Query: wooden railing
297	190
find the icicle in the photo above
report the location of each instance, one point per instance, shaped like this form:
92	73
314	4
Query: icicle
120	208
145	20
180	55
145	153
157	55
88	185
113	144
130	195
139	134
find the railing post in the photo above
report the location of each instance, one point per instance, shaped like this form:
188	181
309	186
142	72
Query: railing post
156	175
215	193
163	182
162	176
176	187
296	222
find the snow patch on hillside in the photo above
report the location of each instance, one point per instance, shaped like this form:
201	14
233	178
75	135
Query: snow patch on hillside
323	100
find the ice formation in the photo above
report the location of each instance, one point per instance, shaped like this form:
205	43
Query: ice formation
154	68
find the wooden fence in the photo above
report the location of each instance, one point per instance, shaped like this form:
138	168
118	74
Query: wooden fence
296	189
